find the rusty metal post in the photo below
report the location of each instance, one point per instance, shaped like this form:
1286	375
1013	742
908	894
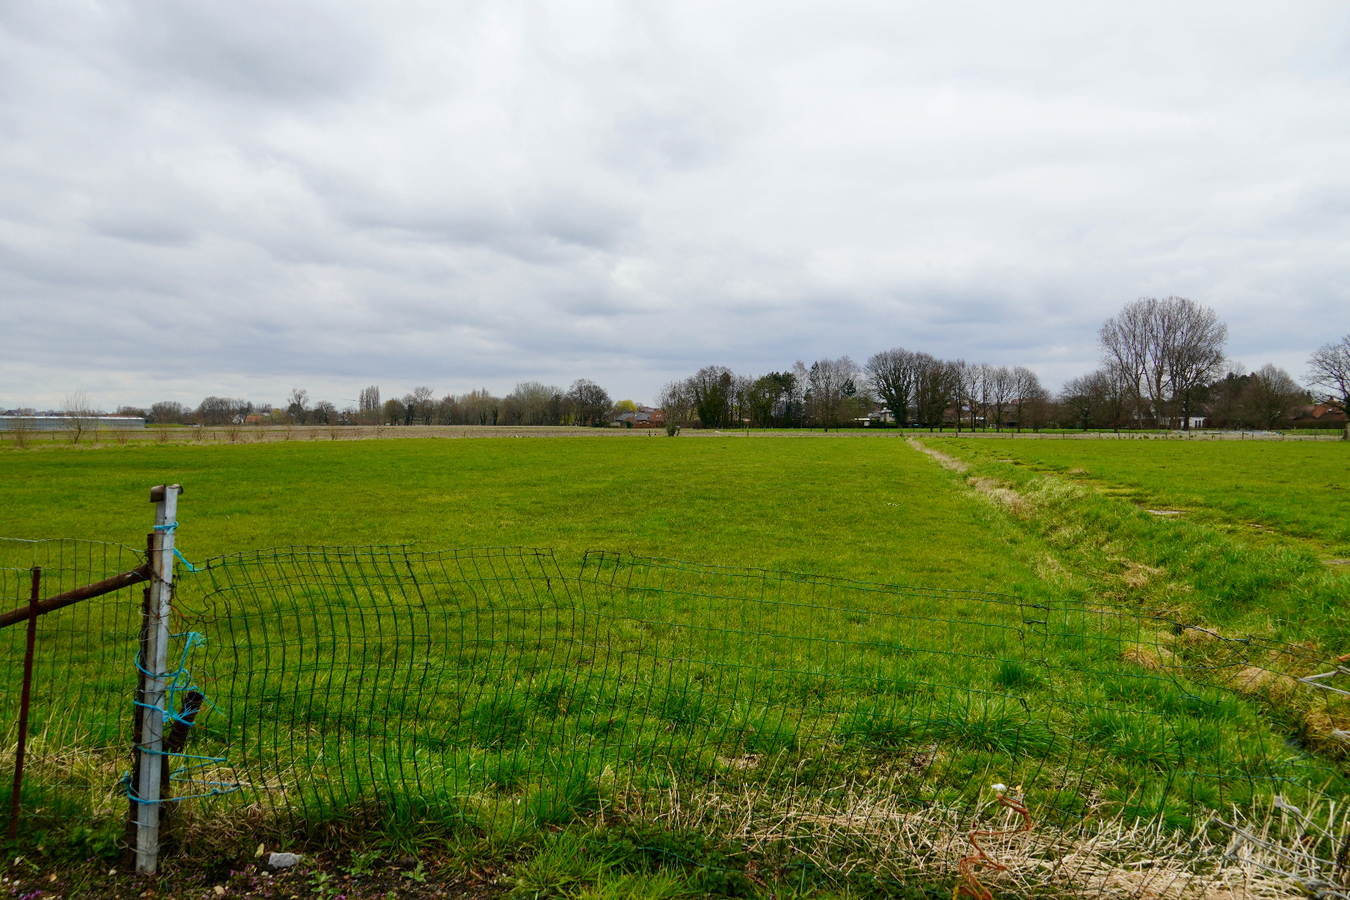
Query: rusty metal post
25	700
134	779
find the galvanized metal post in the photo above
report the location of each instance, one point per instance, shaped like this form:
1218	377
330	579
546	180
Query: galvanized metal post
154	671
15	801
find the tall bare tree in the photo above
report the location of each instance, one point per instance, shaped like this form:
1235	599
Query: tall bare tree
1270	397
419	405
1329	369
1000	390
711	389
1167	351
1031	401
533	403
677	405
1125	340
168	412
892	375
937	386
79	413
970	378
834	397
1193	356
590	402
479	408
369	408
297	406
216	411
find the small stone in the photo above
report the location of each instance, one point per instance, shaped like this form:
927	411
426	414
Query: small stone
220	891
283	860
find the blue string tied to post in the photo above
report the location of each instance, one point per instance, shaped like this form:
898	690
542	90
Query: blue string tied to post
172	526
180	681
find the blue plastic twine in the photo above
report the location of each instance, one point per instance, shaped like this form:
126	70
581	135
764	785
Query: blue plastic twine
162	529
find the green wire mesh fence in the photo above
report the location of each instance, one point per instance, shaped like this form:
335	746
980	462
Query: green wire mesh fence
80	727
798	722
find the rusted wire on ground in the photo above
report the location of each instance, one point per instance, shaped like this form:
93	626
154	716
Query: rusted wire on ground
970	885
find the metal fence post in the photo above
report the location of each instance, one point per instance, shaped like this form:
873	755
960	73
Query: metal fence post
15	800
153	671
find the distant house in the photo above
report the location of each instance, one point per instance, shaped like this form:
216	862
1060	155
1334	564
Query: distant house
880	416
643	417
1325	412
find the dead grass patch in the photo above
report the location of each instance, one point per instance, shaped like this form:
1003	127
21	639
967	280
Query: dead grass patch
947	462
1155	659
1193	636
866	828
1013	502
1256	680
1139	575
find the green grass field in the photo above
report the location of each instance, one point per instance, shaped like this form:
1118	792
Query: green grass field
865	508
684	677
1298	490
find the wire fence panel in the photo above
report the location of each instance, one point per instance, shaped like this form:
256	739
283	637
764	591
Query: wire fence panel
812	723
80	723
351	680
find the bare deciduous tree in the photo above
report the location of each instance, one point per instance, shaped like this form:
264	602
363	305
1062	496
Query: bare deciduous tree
1000	390
297	406
324	413
892	375
711	390
533	403
1193	344
590	402
1166	351
937	387
168	412
1329	369
1031	401
369	408
677	405
833	396
20	427
223	410
1270	397
79	413
1124	340
419	406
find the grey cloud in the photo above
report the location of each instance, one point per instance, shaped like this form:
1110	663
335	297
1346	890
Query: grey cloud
291	51
468	195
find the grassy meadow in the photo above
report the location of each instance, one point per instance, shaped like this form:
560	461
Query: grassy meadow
1296	490
662	691
861	507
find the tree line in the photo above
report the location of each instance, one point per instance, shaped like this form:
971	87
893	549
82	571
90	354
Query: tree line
894	387
1162	365
585	403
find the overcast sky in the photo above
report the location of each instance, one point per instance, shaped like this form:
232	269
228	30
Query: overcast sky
240	198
